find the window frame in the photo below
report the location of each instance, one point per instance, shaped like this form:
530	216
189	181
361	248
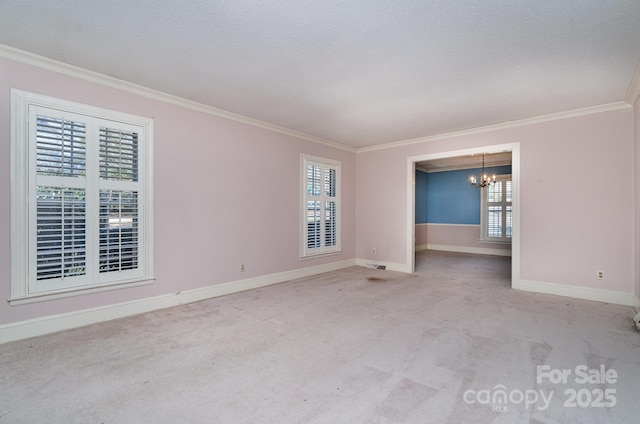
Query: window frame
24	106
484	211
324	163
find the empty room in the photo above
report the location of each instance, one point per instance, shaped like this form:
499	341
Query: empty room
320	212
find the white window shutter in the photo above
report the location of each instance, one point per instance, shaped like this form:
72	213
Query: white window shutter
497	210
321	205
82	216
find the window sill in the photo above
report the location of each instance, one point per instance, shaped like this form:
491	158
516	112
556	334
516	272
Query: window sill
320	255
485	241
41	297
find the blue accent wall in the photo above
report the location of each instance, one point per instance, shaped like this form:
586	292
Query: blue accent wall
448	198
421	197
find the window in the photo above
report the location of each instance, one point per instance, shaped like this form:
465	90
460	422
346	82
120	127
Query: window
320	205
81	197
497	210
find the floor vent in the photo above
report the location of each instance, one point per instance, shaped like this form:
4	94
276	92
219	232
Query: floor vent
376	266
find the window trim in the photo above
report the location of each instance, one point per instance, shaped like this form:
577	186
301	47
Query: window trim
21	101
305	251
484	205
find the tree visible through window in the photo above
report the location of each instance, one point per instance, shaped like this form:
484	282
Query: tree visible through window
80	191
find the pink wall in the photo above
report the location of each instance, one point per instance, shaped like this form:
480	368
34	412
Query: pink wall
576	206
456	238
226	193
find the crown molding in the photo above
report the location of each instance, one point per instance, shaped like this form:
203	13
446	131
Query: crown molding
633	92
49	64
494	127
22	56
426	170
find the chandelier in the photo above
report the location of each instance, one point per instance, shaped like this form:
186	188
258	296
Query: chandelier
486	180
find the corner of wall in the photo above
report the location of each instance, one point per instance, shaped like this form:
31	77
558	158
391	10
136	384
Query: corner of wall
636	186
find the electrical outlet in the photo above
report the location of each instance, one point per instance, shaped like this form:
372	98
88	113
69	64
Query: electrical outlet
600	275
373	250
241	267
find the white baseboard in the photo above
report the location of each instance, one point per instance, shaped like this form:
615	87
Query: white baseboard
50	324
53	323
390	266
464	249
586	293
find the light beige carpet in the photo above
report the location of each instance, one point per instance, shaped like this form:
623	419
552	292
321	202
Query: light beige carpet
353	346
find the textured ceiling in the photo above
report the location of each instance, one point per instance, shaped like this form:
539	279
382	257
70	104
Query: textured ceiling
357	72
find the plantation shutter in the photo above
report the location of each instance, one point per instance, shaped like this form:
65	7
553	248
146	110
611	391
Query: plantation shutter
314	210
119	236
81	198
87	186
498	209
330	225
59	216
321	205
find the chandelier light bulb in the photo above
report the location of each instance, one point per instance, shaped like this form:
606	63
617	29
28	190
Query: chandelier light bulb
486	181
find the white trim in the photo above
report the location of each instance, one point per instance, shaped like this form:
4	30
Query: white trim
464	249
447	225
320	159
586	293
494	127
484	211
19	178
515	178
118	84
459	167
633	92
49	324
46	63
23	187
79	291
389	266
411	214
324	163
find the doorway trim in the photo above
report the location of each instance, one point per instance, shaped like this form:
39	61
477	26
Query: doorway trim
514	148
